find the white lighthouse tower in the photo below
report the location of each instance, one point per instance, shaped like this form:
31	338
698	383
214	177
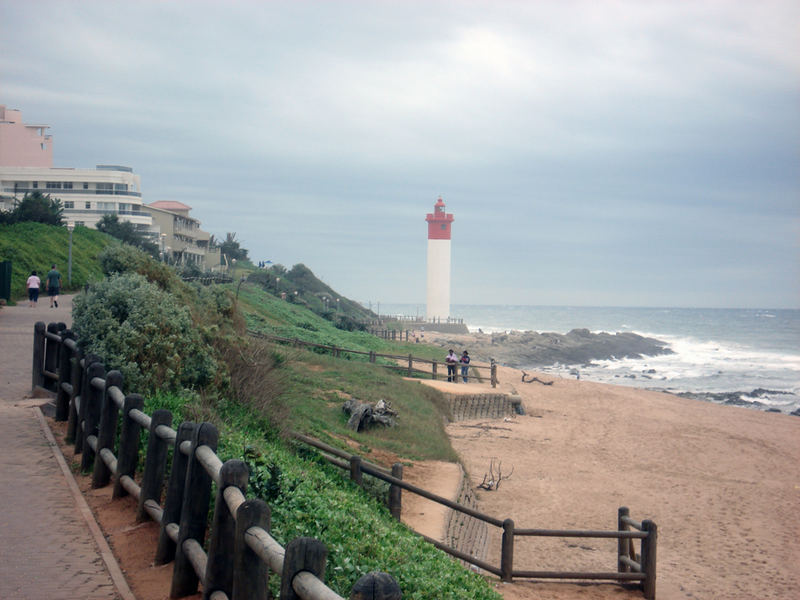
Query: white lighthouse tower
438	300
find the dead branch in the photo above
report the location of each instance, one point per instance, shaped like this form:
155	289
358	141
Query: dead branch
531	379
490	481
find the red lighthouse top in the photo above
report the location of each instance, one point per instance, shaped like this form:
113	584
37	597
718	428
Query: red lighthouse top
439	222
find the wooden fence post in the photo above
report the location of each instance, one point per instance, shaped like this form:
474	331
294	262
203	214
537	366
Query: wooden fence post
507	552
93	399
219	567
51	352
372	356
64	376
77	379
623	546
494	374
433	371
302	554
649	559
106	430
37	379
376	586
155	462
175	491
128	454
396	492
355	469
194	512
410	364
84	401
250	573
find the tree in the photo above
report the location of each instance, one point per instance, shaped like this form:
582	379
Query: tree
231	248
126	232
37	207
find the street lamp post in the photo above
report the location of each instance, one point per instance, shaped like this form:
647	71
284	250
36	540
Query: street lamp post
70	227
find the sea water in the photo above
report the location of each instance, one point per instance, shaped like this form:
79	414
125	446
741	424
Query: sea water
749	357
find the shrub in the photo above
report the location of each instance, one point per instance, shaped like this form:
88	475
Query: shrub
141	330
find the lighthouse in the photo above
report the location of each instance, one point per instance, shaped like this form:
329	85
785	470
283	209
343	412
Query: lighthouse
438	299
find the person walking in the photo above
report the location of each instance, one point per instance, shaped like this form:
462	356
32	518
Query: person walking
464	360
33	284
53	285
451	360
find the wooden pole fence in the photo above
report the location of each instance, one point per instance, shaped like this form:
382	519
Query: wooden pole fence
241	553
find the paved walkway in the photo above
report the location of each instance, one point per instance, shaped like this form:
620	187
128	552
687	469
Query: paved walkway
50	547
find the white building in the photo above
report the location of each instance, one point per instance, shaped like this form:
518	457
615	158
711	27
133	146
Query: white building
26	166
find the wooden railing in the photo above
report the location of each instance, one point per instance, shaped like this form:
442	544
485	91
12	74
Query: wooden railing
241	552
628	568
431	367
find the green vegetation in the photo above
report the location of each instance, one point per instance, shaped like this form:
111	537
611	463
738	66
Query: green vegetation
126	232
191	341
35	246
36	208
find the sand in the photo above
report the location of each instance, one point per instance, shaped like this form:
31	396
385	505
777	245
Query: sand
722	484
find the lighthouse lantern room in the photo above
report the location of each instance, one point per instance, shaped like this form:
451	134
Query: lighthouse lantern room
438	296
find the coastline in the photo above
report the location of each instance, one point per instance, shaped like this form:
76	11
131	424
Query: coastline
722	483
625	359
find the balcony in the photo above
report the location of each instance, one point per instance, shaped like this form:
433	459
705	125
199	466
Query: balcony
60	192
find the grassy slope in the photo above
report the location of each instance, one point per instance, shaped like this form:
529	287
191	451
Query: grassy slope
35	246
318	383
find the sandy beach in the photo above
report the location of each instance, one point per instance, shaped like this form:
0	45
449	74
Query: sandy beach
722	484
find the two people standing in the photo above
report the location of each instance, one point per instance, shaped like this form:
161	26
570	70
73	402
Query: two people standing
452	360
53	287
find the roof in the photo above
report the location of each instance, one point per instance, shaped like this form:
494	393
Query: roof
170	205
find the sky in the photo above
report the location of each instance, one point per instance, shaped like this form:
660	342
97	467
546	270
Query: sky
599	153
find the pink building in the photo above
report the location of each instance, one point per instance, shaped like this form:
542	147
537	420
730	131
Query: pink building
23	145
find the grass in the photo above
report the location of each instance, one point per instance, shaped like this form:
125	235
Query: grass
35	246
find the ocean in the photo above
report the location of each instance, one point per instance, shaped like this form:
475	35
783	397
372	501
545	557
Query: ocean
746	357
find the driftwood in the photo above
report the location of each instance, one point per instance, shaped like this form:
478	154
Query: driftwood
531	379
490	481
364	414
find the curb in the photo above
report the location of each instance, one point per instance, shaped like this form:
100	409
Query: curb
114	570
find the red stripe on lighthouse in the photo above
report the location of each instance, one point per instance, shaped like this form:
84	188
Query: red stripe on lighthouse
439	222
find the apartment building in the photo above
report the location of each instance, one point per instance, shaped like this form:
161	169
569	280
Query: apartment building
26	166
180	238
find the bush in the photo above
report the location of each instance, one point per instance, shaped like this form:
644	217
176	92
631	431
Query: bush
143	331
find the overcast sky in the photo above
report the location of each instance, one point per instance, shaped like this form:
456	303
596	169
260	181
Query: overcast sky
593	153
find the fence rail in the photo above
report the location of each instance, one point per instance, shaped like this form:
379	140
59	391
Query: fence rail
629	569
409	360
241	552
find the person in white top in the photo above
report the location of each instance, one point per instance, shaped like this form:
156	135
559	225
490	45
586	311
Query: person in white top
33	284
451	360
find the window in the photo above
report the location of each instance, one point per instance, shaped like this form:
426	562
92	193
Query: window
104	188
53	185
88	205
110	206
69	204
85	185
81	223
35	184
120	187
67	185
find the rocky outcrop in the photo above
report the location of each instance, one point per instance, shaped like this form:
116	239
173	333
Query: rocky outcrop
579	346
